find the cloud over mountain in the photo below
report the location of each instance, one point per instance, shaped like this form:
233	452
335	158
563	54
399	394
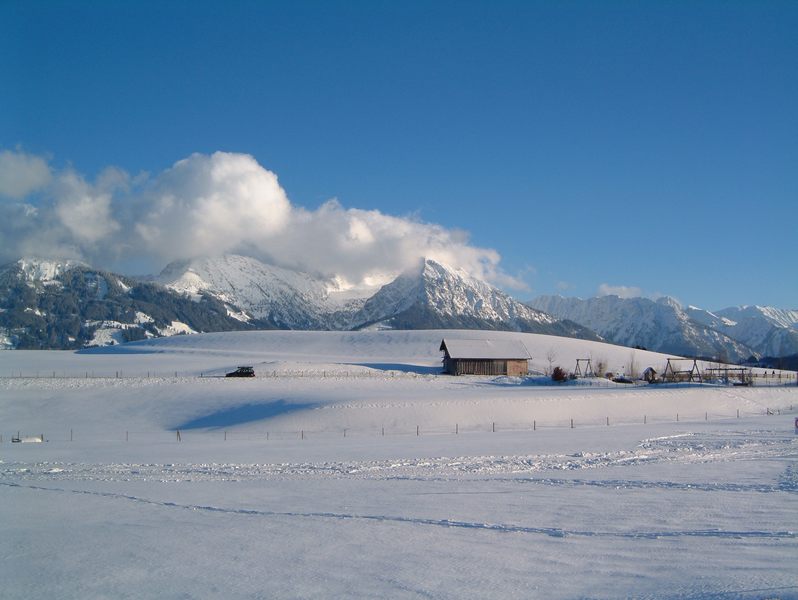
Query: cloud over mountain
209	205
21	174
622	291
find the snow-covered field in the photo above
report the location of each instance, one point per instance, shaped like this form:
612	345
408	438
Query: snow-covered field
348	468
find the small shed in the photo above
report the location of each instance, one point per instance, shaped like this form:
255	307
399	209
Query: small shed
650	375
484	357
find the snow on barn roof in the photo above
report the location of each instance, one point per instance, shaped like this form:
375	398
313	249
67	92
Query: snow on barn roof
488	349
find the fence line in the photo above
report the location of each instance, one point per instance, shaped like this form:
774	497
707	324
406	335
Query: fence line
232	434
756	380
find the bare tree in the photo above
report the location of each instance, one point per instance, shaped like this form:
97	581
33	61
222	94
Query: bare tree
632	366
551	356
600	368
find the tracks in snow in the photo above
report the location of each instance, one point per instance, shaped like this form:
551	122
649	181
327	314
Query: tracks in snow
555	532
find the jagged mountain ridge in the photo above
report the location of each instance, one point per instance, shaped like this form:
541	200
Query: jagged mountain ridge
660	325
769	331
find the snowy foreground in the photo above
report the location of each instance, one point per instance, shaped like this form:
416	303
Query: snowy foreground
347	468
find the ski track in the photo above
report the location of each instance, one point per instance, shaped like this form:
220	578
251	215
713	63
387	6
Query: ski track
447	523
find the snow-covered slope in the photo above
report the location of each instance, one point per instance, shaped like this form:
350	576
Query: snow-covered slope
288	299
662	325
373	478
436	296
770	331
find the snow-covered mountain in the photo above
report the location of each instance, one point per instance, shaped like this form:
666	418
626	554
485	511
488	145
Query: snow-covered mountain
770	331
435	296
46	304
661	325
286	299
428	296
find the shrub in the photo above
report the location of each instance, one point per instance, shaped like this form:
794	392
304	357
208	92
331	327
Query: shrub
559	374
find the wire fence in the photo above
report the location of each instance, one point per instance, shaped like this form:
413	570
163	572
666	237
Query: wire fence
755	380
233	434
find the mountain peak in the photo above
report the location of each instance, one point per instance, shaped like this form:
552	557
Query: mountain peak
436	296
434	269
669	301
43	269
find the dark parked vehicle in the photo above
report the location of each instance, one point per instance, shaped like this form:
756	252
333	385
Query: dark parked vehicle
242	372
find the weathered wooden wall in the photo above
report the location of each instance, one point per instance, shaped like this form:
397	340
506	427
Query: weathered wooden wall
473	366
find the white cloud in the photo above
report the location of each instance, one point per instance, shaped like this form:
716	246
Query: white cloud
622	291
22	174
369	246
85	209
207	205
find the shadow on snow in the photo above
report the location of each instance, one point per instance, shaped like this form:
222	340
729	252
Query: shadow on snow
246	413
403	367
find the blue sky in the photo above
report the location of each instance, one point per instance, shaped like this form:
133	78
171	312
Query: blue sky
650	145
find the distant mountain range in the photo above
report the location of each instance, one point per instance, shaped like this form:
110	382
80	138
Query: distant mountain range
51	304
731	334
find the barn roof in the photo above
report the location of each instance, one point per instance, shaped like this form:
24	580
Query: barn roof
487	349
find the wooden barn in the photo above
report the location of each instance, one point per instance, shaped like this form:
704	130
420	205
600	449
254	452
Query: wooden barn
484	357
